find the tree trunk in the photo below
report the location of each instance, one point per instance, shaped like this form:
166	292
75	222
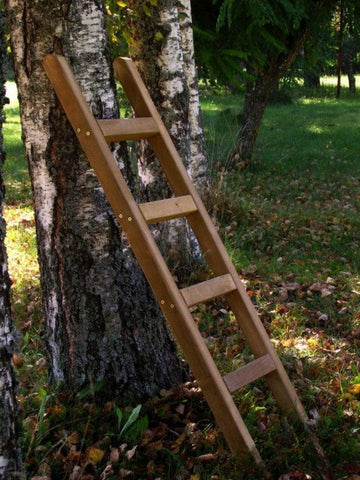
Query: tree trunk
311	79
198	162
256	99
349	56
102	322
351	77
10	458
340	50
158	51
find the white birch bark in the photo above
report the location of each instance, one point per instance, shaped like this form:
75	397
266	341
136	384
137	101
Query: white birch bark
198	164
161	64
102	323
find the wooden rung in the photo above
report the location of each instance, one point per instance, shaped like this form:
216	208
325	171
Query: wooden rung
120	129
201	292
167	209
249	373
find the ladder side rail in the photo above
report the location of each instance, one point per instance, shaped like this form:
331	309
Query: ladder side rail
145	249
208	237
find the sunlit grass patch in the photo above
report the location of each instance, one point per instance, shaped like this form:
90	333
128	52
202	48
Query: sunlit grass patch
15	171
21	244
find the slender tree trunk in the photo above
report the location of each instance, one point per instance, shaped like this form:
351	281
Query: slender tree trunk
102	322
349	56
10	458
340	50
311	80
351	78
158	51
256	99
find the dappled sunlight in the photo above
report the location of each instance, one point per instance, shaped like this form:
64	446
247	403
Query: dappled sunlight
332	81
21	246
315	129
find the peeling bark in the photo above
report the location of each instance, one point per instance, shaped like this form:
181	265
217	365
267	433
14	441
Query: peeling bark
102	322
10	457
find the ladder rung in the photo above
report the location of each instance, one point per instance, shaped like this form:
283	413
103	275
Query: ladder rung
249	373
167	209
120	129
201	292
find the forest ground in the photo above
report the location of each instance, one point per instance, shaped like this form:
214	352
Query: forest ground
291	225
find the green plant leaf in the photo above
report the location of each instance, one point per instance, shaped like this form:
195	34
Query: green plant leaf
119	416
134	415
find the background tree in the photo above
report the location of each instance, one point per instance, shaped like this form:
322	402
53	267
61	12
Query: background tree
102	323
346	33
259	42
10	457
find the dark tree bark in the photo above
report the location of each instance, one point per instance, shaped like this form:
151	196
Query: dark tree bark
10	458
340	50
311	79
102	322
256	99
349	56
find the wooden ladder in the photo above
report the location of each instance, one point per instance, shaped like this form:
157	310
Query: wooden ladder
134	218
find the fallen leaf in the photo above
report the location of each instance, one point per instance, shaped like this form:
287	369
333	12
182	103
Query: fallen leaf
180	409
94	455
18	360
76	473
355	389
114	455
125	473
130	453
106	472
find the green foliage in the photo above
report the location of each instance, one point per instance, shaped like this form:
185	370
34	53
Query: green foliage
129	424
256	31
119	24
119	30
262	33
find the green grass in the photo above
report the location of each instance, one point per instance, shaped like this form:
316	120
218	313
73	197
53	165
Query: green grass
291	225
18	189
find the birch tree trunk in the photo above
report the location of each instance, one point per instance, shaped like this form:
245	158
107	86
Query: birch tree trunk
10	458
102	322
198	162
157	48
